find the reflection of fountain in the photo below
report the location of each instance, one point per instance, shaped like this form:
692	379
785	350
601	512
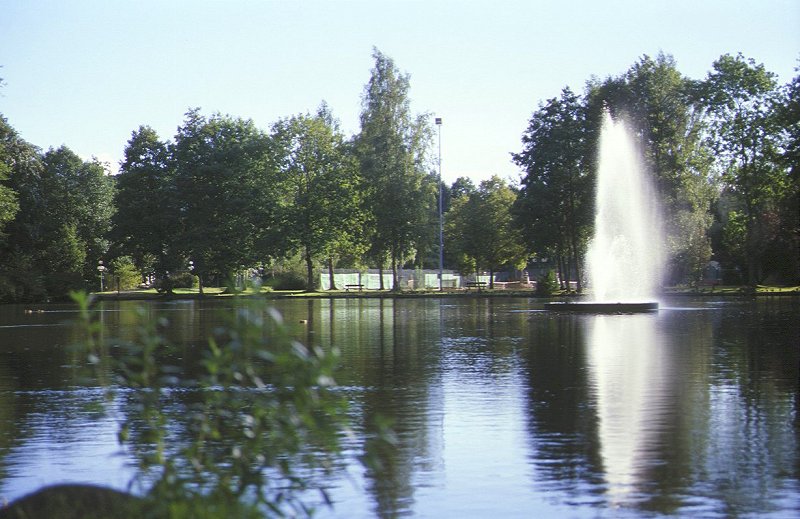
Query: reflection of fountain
624	260
628	369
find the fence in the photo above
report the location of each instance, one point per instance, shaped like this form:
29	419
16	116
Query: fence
408	279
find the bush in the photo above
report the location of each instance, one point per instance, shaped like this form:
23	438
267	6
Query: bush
286	281
183	280
124	274
547	284
60	284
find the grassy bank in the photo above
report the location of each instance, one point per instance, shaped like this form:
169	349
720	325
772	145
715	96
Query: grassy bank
221	292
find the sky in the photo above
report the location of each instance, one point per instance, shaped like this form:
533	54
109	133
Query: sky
86	74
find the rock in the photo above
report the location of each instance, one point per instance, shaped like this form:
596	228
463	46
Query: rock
73	501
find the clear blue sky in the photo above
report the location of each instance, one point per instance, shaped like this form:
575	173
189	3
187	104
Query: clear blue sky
88	73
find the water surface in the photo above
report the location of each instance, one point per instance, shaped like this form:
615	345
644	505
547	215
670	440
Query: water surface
501	409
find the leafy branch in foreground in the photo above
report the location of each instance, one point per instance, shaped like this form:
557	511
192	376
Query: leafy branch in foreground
242	433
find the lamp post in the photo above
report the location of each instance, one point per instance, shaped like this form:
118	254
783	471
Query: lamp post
441	219
101	268
199	279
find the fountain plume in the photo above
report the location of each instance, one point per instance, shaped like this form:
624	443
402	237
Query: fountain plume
625	256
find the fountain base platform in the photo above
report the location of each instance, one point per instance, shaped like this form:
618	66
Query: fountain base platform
591	307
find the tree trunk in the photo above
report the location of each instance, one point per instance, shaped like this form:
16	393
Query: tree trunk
331	278
576	261
310	285
573	241
380	276
491	278
395	281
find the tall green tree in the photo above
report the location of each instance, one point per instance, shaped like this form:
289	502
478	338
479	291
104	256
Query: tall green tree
462	186
481	228
16	157
146	224
321	182
59	233
76	212
554	207
788	114
223	179
9	205
392	148
741	96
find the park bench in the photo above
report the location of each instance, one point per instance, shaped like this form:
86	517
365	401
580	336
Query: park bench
353	286
475	284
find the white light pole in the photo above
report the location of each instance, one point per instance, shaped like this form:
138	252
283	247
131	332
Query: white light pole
441	219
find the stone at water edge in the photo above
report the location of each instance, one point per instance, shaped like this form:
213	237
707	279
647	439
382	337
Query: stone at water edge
75	501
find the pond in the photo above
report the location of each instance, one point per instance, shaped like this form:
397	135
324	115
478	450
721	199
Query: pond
501	408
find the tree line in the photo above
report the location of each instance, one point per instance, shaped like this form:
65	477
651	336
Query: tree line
224	195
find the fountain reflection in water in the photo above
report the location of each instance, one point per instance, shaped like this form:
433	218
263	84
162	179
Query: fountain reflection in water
629	371
625	256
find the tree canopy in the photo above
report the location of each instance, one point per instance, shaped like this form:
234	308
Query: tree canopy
481	229
554	206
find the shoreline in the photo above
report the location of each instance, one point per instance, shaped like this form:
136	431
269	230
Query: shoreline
142	295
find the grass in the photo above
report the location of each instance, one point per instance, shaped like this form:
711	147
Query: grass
215	292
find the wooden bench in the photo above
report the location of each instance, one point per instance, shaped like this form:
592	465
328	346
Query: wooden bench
353	286
475	284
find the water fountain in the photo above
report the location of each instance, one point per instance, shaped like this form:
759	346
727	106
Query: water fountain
625	258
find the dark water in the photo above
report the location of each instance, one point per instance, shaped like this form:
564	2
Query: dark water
502	409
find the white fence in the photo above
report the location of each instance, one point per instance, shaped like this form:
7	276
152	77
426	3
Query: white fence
408	279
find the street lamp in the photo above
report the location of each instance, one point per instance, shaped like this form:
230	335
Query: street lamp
101	268
441	219
199	279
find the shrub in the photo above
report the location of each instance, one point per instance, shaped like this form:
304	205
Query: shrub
547	284
286	281
124	274
183	279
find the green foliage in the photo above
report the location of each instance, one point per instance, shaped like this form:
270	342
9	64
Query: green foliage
392	147
480	228
78	194
734	237
286	281
741	97
323	210
55	239
462	186
547	284
555	203
256	416
124	273
785	249
146	223
65	256
9	205
183	279
694	253
19	280
225	183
